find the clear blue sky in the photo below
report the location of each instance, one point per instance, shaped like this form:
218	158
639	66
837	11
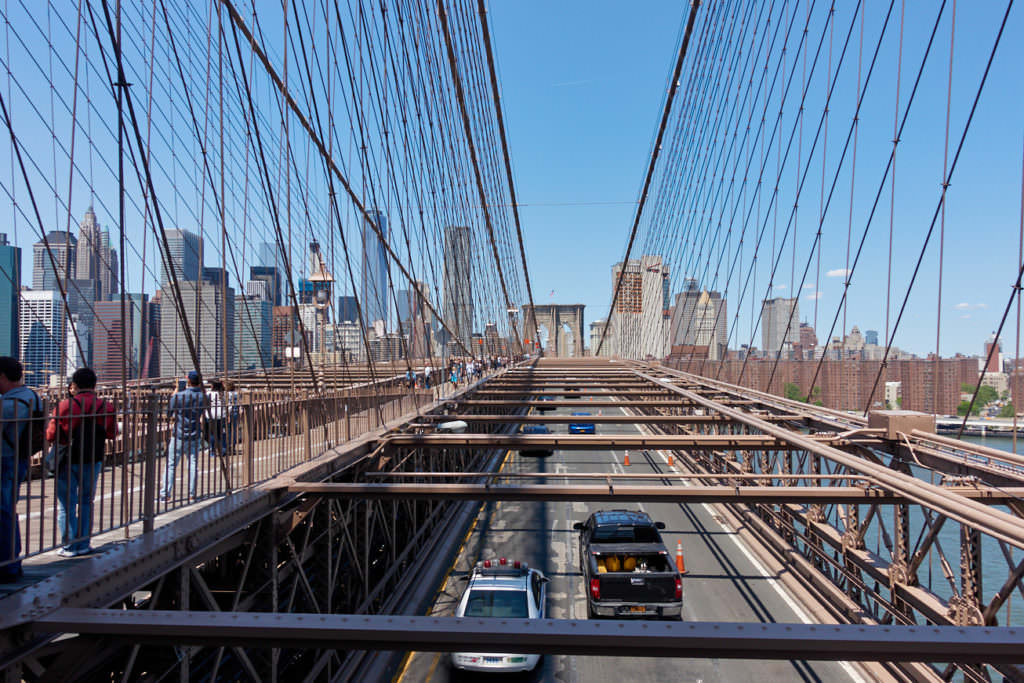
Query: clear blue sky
583	86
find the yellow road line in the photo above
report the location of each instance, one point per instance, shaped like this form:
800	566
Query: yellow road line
433	666
444	585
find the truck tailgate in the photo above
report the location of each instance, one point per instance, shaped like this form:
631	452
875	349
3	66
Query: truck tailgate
638	587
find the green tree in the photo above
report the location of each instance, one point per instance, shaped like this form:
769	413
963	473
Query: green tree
967	388
795	393
986	395
792	392
961	409
1006	410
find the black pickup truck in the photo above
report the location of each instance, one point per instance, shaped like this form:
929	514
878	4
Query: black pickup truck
626	568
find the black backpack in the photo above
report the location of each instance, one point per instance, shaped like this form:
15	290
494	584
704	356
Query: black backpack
87	440
32	437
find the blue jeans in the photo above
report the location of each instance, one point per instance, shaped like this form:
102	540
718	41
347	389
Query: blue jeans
76	486
12	473
175	448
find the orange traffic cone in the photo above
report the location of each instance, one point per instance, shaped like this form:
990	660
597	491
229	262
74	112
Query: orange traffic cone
626	461
680	562
671	462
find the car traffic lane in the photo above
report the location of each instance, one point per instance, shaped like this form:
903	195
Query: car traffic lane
724	583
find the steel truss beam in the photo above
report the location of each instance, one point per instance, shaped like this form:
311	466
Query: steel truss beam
1000	525
728	640
645	494
755	442
603	419
573	403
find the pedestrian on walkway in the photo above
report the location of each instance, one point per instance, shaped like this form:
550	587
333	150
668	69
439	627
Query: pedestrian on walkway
232	405
79	431
214	428
426	377
185	409
18	404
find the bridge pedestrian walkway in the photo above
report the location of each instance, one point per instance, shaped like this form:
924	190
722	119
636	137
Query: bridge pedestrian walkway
126	504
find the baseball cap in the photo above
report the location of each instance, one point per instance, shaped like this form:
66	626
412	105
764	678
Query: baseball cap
193	376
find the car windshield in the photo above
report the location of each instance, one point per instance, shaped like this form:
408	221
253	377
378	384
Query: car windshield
486	603
624	533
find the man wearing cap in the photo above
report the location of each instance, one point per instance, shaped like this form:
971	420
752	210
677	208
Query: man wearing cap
186	411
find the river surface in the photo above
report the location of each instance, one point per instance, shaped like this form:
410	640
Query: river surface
995	567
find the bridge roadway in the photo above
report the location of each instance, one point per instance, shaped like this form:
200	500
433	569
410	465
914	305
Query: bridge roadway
725	582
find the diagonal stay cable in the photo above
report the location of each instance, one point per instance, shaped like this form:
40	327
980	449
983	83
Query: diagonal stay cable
496	96
241	26
673	88
467	127
938	208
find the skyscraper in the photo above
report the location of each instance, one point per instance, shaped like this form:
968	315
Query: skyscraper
272	277
10	285
253	320
95	260
374	274
347	310
597	328
186	256
43	330
775	313
112	330
63	247
415	318
638	323
699	318
82	295
267	256
112	335
211	317
457	286
405	304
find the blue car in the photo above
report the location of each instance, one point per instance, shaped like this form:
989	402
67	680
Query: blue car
581	427
536	429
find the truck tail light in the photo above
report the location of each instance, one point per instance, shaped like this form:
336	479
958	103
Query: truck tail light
679	588
595	589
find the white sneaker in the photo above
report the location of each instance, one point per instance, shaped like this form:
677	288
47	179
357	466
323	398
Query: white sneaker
64	552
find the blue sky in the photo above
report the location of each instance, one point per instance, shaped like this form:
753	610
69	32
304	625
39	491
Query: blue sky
583	84
583	87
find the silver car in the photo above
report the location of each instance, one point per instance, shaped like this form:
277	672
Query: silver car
502	589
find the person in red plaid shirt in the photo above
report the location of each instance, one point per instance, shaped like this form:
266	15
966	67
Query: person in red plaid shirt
79	431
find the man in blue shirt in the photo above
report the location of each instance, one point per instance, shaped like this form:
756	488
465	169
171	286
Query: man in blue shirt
186	409
16	405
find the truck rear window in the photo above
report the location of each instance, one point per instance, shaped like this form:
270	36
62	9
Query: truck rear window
508	604
625	534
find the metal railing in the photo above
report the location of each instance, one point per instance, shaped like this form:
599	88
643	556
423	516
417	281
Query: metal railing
259	434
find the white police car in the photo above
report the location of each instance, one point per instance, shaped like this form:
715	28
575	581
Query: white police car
507	590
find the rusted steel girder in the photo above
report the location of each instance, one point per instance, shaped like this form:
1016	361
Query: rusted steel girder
624	492
573	403
827	642
603	391
996	523
597	441
599	419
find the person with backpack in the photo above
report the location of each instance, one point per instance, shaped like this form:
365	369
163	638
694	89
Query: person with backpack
20	435
186	409
80	429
